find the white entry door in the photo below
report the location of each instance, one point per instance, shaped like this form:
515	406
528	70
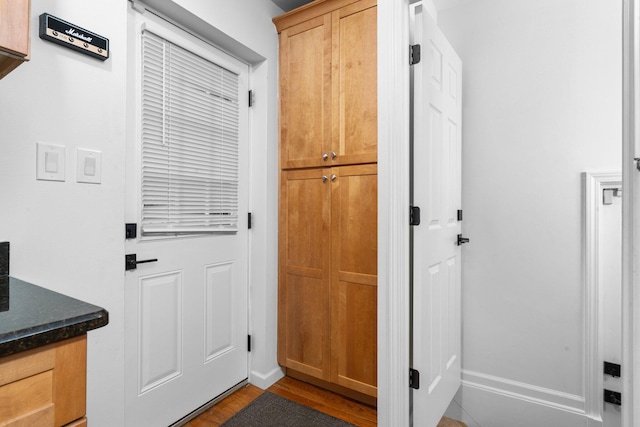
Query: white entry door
437	113
186	308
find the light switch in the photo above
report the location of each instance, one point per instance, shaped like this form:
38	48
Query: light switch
50	162
89	166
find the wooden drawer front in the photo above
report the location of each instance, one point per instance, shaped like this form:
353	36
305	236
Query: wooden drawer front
22	365
28	401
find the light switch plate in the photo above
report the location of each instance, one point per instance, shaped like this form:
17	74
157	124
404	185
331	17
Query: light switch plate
50	162
89	166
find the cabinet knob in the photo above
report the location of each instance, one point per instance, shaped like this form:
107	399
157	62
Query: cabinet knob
333	177
325	156
324	178
333	155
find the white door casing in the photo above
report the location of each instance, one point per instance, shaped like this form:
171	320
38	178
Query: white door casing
186	314
603	304
437	147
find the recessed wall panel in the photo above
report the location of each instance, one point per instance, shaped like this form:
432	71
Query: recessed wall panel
220	300
159	329
436	71
435	168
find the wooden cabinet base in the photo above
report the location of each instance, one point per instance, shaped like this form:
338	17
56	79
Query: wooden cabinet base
78	423
45	386
360	397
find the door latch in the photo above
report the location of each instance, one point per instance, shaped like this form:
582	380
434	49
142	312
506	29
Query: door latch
131	262
462	240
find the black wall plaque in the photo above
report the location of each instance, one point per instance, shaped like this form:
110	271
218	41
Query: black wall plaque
66	34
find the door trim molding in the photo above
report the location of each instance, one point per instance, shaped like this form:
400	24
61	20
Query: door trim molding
594	183
525	392
393	213
630	214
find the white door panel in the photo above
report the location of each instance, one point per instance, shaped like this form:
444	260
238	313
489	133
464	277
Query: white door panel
436	178
186	313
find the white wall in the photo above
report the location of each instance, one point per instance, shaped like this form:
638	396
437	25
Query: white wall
68	236
541	104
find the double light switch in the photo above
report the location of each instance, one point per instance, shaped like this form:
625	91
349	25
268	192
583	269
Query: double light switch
51	164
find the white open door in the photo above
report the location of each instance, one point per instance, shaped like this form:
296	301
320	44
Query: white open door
437	113
187	168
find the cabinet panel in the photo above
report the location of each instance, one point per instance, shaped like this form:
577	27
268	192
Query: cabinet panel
354	278
327	301
354	81
26	399
44	386
70	380
305	94
14	34
304	276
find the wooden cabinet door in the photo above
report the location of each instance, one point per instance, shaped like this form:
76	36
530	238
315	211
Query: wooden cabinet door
354	84
304	315
14	34
354	289
305	94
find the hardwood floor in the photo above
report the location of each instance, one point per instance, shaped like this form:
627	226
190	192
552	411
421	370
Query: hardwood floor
321	400
298	391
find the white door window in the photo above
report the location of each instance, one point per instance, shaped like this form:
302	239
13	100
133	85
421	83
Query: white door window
187	170
190	111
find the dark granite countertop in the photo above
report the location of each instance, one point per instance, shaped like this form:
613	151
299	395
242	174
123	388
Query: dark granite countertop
32	316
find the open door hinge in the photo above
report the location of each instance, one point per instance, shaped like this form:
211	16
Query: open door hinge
249	220
612	369
252	98
414	215
613	397
249	343
459	214
414	379
414	54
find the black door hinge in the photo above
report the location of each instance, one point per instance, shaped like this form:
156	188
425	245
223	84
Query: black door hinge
459	214
613	397
414	215
249	343
612	369
130	231
414	379
249	220
414	54
252	98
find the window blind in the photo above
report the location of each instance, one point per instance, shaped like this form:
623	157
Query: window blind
190	121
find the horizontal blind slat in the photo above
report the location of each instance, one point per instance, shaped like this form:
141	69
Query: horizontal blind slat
190	119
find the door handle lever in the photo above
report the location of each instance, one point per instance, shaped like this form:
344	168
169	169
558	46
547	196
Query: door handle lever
131	262
462	240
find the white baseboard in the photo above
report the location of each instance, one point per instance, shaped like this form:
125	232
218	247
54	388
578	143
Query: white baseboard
495	402
264	381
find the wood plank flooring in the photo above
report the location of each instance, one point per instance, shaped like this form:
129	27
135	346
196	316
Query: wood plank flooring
297	391
321	400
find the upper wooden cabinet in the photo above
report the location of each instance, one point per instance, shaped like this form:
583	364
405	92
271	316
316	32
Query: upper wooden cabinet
14	34
328	81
